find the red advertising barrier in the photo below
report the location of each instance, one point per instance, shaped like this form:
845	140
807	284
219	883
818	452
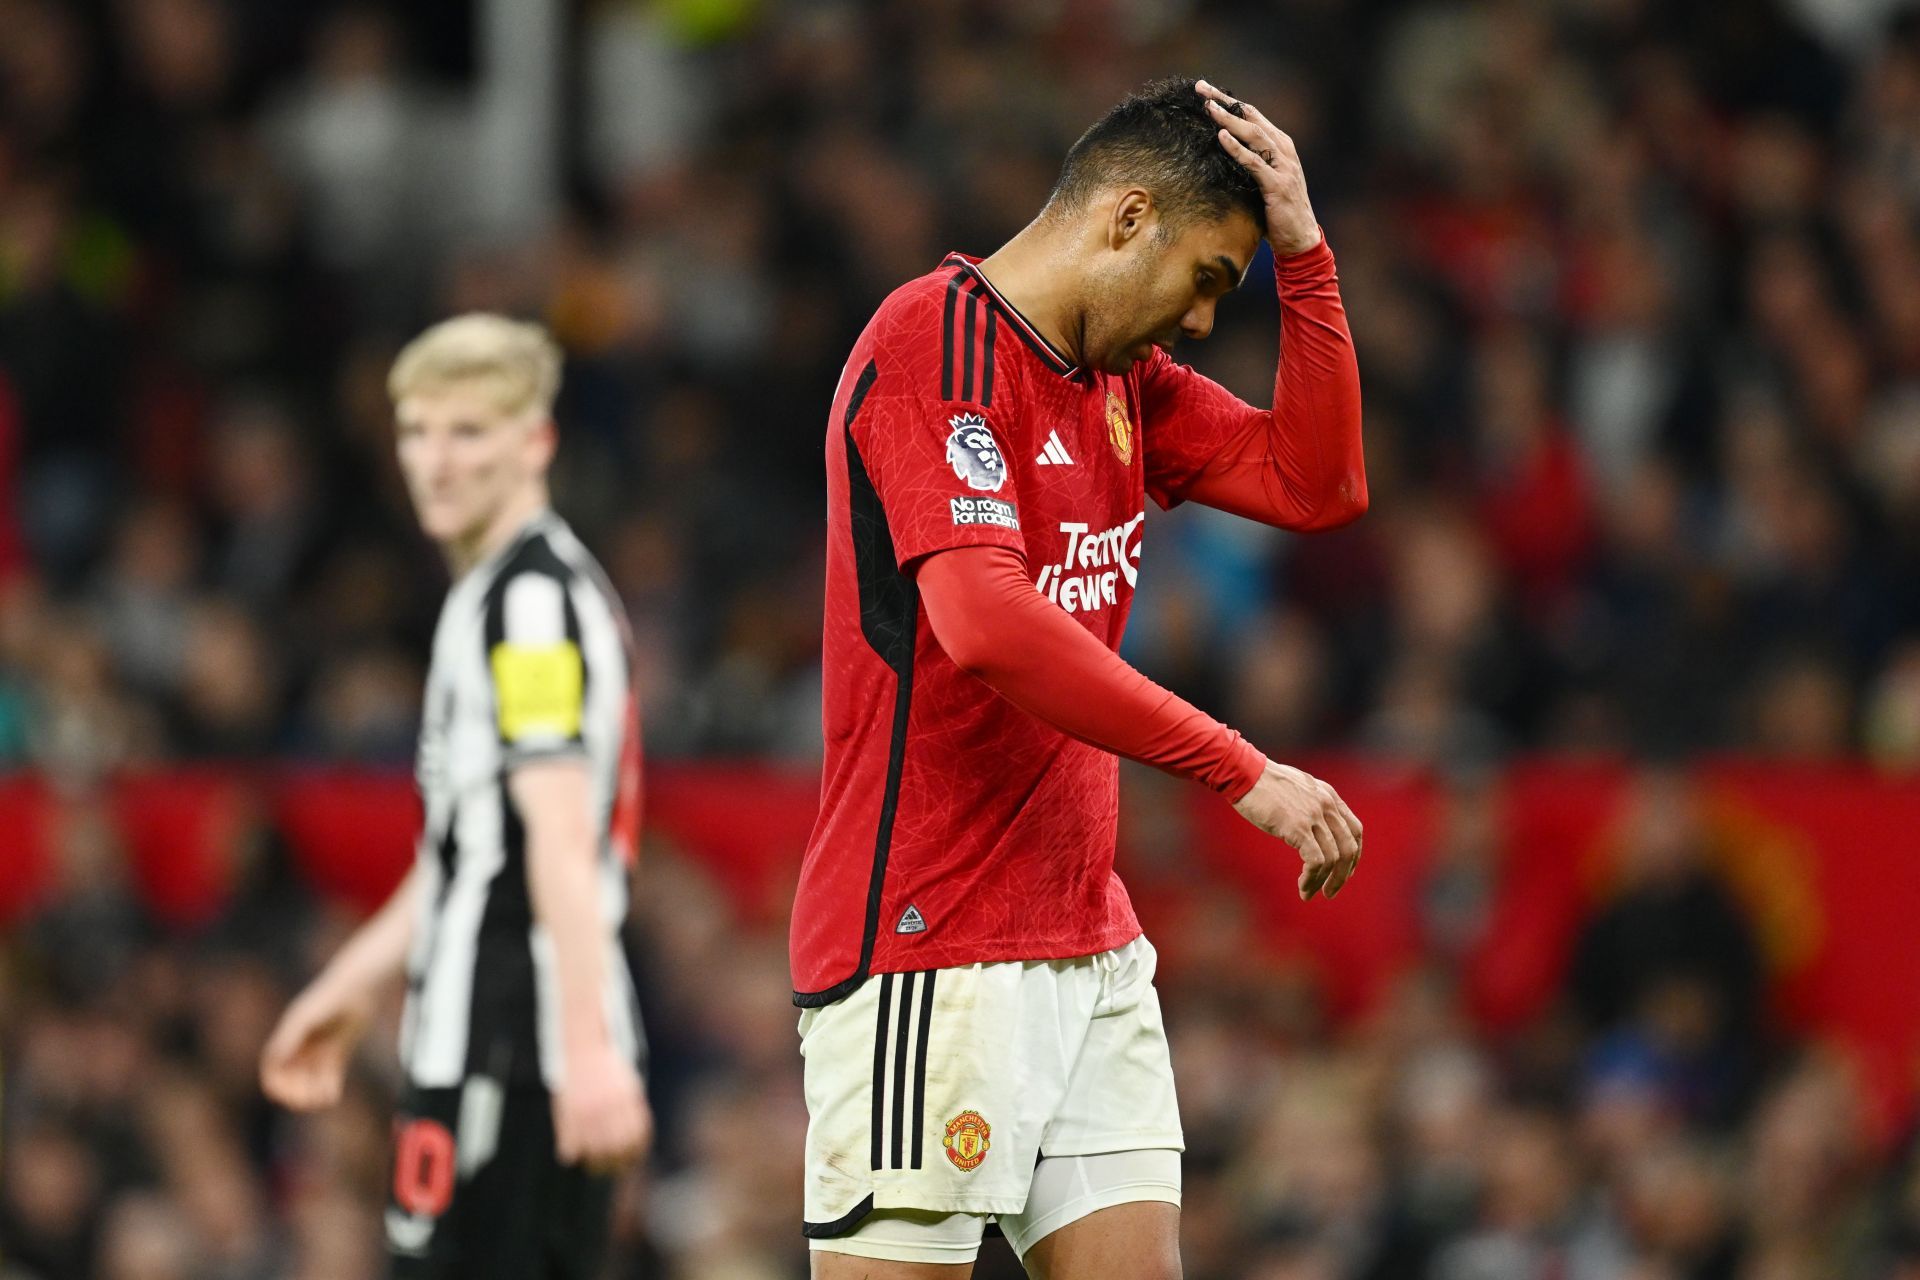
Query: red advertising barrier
1824	860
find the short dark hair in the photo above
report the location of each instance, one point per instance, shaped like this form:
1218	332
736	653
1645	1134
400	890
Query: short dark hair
1161	137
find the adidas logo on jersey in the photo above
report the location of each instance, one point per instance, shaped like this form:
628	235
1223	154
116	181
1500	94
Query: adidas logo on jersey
1055	454
911	921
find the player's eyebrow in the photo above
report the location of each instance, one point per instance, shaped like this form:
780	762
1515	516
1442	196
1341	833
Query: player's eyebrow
1234	273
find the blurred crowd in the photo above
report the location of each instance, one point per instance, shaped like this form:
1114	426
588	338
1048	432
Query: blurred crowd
1636	290
1653	1123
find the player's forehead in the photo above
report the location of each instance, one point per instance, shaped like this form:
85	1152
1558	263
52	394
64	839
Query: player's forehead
473	400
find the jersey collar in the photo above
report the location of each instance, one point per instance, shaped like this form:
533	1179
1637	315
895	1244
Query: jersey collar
536	523
1028	334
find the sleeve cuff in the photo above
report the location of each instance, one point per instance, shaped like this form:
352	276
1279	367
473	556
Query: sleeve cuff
1240	770
1309	264
512	756
909	556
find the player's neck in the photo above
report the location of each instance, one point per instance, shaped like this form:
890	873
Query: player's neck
463	554
1034	273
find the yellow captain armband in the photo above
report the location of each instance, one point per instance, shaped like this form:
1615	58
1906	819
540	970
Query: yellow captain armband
538	690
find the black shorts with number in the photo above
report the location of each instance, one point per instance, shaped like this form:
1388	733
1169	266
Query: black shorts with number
478	1193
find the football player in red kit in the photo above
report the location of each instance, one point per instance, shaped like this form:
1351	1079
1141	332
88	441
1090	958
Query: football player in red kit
981	1034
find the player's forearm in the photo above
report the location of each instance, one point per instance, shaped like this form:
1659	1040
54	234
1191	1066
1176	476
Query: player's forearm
1316	395
563	882
1300	465
376	953
986	614
566	901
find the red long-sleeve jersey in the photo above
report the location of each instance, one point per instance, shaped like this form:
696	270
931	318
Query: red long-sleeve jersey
962	822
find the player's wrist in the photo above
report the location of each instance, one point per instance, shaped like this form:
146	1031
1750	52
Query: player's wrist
337	997
1306	251
1292	239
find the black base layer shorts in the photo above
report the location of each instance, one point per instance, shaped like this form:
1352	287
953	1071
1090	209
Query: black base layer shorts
478	1193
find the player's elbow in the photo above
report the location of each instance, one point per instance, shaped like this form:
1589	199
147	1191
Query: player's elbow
1345	506
972	650
1351	505
982	651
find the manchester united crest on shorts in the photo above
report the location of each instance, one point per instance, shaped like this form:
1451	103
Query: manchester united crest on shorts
1120	429
967	1140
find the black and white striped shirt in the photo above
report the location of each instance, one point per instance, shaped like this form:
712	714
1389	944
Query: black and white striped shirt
531	659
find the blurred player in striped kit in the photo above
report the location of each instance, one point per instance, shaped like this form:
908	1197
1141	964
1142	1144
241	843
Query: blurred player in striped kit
521	1041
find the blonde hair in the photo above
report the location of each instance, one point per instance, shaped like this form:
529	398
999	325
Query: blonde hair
518	359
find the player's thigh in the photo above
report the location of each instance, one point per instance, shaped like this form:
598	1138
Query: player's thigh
1105	1197
930	1092
901	1244
1070	1190
430	1198
885	1240
844	1266
1139	1240
1120	1092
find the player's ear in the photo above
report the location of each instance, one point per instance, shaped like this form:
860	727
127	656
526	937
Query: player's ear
1132	215
546	441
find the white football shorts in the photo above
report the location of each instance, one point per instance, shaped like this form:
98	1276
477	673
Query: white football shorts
940	1092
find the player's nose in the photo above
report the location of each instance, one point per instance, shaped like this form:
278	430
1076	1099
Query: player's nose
1198	322
436	466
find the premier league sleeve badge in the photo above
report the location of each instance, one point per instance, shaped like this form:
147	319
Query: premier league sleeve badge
975	454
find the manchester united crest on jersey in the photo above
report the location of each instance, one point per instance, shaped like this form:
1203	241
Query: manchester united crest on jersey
975	454
967	1140
1120	429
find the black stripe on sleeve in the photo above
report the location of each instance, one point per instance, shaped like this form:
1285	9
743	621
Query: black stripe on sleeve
986	373
920	1069
967	390
880	1063
577	633
903	1027
946	335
